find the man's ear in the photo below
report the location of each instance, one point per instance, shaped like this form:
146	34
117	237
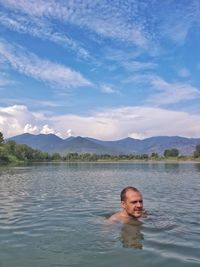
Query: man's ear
123	204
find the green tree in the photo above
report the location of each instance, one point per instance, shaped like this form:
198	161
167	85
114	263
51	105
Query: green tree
144	156
154	155
3	155
11	147
72	156
166	153
56	156
1	138
174	152
171	152
197	151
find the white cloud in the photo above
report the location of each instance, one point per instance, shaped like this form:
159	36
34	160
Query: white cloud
47	130
108	89
29	7
46	105
118	21
19	119
56	75
43	103
134	21
138	66
110	124
41	28
176	24
136	135
161	92
120	55
138	122
170	93
30	129
14	119
70	133
183	72
5	80
176	32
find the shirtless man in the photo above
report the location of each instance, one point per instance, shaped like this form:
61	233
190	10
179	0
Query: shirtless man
132	205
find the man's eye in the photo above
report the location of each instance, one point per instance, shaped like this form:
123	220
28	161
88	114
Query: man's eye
135	202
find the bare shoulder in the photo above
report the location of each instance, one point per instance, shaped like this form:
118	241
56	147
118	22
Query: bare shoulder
118	216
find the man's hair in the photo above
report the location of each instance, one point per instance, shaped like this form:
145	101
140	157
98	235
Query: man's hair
123	192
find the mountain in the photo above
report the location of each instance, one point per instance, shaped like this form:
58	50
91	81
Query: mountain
84	145
157	144
43	142
51	143
124	146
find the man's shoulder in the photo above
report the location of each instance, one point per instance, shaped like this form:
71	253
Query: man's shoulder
117	216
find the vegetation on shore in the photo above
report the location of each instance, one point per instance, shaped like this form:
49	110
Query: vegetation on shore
11	152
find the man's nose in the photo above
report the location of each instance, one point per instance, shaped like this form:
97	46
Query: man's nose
139	204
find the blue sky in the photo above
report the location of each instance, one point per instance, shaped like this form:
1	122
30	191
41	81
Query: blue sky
103	69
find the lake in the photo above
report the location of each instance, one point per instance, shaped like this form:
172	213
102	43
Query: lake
55	215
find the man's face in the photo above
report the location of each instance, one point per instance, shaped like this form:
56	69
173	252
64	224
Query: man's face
133	204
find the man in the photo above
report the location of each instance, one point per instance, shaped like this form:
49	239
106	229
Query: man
132	205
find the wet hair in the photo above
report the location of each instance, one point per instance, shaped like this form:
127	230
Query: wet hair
123	192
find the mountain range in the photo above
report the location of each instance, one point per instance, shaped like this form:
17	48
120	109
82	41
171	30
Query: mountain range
51	143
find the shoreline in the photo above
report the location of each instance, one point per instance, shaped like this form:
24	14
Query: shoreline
162	161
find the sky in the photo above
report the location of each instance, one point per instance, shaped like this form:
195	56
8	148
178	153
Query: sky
101	69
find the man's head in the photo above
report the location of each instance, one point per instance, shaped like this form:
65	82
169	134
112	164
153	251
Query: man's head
132	202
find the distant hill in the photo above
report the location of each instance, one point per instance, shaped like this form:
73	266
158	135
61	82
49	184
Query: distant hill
51	143
43	142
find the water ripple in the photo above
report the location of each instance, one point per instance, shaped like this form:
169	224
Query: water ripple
56	215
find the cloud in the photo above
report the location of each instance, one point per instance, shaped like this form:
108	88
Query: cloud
30	129
18	119
176	25
138	122
42	29
134	21
35	103
138	66
169	93
55	75
47	130
119	21
161	92
183	72
5	80
110	124
120	55
108	89
14	119
70	133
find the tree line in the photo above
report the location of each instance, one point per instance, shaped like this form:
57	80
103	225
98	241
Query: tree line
11	152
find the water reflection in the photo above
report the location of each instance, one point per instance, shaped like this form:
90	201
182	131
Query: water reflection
197	167
172	167
131	236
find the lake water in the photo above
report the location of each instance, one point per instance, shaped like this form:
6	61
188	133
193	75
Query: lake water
55	215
